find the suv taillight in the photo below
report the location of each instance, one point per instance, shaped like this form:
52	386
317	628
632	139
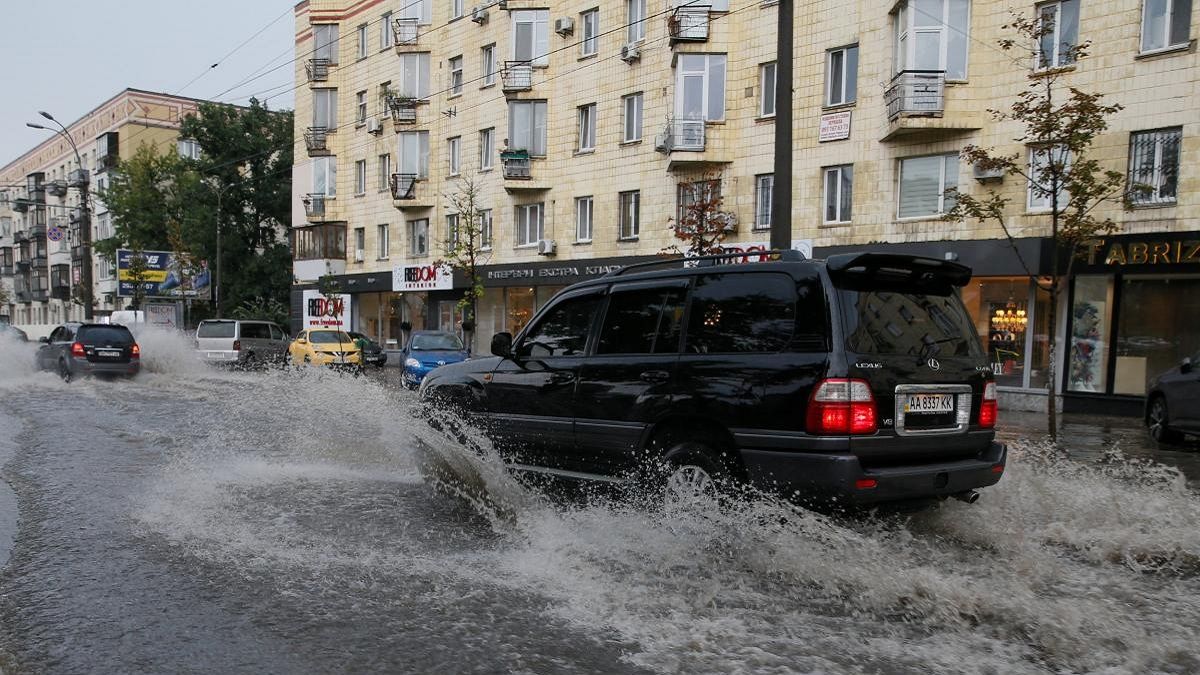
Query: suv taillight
135	352
841	406
237	345
77	350
990	408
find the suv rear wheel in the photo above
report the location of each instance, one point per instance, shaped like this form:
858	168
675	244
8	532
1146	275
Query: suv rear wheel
64	371
1159	422
693	470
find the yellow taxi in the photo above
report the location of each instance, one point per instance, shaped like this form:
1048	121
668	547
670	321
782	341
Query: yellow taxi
324	347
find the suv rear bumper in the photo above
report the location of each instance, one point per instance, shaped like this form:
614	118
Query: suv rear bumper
84	367
834	476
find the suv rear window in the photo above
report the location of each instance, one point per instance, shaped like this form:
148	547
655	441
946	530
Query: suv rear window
909	322
742	312
112	335
216	329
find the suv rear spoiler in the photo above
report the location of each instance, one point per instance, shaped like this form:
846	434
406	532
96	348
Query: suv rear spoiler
903	268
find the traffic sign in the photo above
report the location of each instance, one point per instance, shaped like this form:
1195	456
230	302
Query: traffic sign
55	233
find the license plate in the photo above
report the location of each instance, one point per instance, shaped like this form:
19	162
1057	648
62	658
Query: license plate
108	353
214	355
929	403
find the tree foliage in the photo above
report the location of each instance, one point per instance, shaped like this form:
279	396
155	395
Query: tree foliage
702	223
467	244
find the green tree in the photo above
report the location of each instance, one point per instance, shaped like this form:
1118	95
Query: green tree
467	245
1059	124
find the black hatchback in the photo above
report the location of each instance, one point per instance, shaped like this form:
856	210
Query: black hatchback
859	378
75	349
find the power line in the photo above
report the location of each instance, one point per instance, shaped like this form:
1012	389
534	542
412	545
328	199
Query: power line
234	50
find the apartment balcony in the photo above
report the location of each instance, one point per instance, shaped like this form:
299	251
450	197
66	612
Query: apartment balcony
516	76
410	191
403	110
60	282
20	236
77	252
40	294
689	24
38	262
78	178
7	270
405	32
37	232
317	69
518	172
316	140
919	108
315	206
318	250
21	205
688	144
56	188
24	295
23	266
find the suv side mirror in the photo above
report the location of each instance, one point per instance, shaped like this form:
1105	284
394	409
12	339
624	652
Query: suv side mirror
45	339
1186	366
502	344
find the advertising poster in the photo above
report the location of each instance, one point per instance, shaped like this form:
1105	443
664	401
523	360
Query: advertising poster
326	311
164	276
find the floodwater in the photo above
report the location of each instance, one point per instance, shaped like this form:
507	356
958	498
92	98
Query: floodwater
195	520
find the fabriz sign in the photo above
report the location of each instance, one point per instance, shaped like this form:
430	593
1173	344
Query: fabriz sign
326	311
422	278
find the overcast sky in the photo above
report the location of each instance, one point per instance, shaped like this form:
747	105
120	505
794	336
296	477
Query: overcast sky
69	56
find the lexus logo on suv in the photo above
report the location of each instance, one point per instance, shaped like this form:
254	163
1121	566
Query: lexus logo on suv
933	364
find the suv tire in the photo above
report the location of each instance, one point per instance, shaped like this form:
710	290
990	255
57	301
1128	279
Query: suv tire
64	371
691	469
1159	421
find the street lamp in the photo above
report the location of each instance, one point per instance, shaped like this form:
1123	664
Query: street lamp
220	191
85	220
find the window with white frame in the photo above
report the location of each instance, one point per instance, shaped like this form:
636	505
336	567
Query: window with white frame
360	107
839	193
381	96
1165	24
452	232
487	60
528	223
1059	28
629	217
383	241
587	127
1047	166
414	153
485	229
583	219
106	268
841	75
700	87
527	126
362	41
189	148
764	200
531	36
385	30
589	22
635	19
923	185
456	8
360	243
766	88
932	35
325	176
325	42
414	75
385	171
418	237
360	177
325	108
1154	166
487	148
453	151
421	10
456	75
631	123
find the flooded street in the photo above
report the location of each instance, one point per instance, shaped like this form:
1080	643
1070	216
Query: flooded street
195	520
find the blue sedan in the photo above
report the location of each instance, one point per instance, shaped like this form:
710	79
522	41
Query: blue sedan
428	349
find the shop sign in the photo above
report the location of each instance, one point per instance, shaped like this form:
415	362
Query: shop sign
755	250
1152	251
422	278
555	274
835	126
326	311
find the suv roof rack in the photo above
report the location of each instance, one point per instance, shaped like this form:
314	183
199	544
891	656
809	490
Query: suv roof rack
915	267
789	255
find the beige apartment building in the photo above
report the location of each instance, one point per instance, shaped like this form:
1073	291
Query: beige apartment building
40	199
582	126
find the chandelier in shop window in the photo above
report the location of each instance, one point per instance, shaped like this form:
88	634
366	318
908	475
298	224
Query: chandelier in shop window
1010	318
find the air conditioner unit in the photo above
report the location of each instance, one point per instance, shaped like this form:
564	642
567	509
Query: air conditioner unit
564	26
983	175
631	52
359	255
374	126
662	142
479	15
546	246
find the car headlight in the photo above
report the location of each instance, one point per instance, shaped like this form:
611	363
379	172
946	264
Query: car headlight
412	363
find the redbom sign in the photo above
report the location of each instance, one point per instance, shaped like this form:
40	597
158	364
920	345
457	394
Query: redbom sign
422	278
326	311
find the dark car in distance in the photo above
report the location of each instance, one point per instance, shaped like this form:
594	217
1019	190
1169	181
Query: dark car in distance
1173	402
373	353
77	349
856	379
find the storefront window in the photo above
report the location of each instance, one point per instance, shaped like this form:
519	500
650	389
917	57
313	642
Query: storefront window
519	308
1087	356
415	308
1156	330
999	308
1039	342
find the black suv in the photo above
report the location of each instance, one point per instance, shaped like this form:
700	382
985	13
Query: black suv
857	378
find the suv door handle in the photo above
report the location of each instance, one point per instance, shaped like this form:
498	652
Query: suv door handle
561	378
655	376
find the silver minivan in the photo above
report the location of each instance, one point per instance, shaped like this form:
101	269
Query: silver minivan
242	343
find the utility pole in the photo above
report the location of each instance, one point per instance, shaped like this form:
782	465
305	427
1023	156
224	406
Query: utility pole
781	190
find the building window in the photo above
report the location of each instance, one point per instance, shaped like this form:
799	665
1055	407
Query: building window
325	176
456	75
528	222
325	42
527	126
385	30
839	193
531	37
188	148
456	9
418	237
360	177
1040	187
766	86
486	148
325	108
362	41
635	15
587	127
383	241
360	243
360	107
1154	166
488	64
923	185
414	75
485	229
451	231
453	148
630	214
932	35
1060	21
841	76
764	200
385	171
631	106
590	24
700	87
421	10
695	202
414	153
1165	23
583	219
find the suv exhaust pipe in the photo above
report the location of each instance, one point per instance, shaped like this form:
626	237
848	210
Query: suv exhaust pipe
968	496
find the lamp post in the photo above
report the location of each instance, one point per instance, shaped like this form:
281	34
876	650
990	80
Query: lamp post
220	191
85	220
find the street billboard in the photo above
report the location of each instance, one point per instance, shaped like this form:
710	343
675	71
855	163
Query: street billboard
326	311
165	276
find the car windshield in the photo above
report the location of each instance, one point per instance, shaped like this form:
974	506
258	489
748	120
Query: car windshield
216	329
111	335
328	337
435	342
896	321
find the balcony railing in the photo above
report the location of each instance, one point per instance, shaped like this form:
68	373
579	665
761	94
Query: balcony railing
21	205
689	23
37	231
317	69
314	206
916	92
40	294
682	136
404	185
517	165
38	262
77	252
23	266
316	139
403	109
516	76
20	236
405	32
57	188
24	295
78	178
